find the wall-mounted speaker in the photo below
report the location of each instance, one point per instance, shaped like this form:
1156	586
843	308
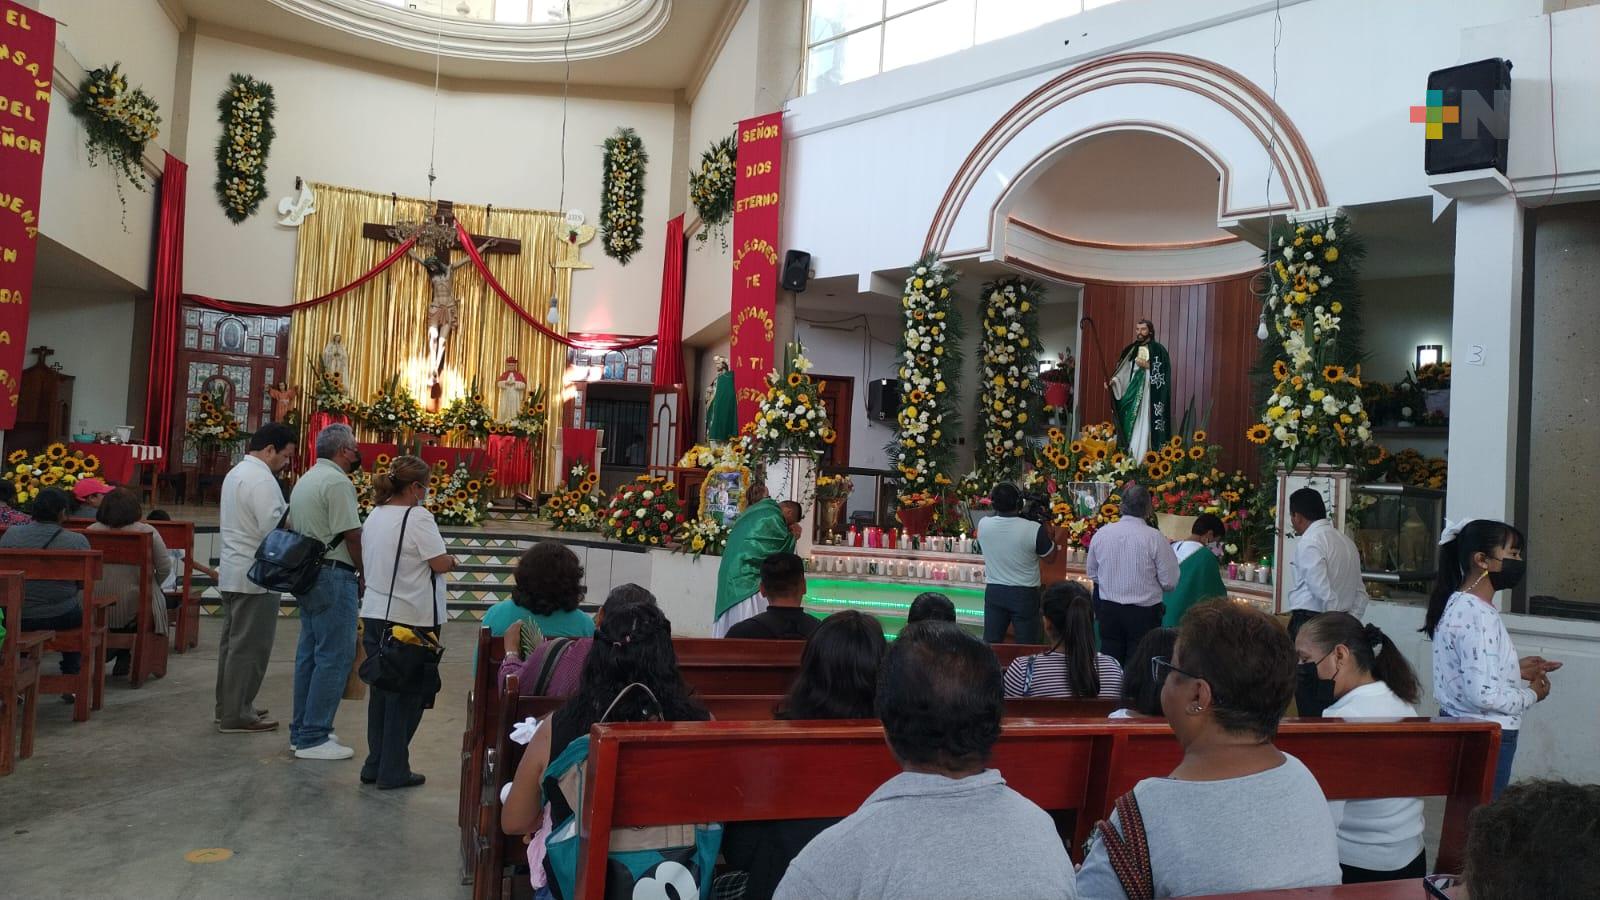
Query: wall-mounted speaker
883	399
1468	116
796	270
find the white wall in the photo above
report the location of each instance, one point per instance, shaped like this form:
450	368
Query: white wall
1397	314
842	347
92	337
366	126
727	96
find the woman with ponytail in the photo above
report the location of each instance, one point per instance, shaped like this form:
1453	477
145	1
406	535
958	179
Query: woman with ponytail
1476	672
1071	667
1359	673
405	556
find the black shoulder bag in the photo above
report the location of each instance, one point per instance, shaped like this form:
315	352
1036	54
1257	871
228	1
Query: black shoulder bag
289	561
398	666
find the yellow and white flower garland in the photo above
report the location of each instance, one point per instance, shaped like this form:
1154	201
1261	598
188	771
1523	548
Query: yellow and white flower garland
791	417
622	197
1008	383
711	189
245	111
930	365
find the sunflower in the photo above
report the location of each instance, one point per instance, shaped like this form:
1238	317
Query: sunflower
1333	373
17	456
1176	442
1171	454
1099	453
1280	369
1197	453
474	485
1109	509
56	451
381	460
48	478
1258	433
1055	435
1151	457
1199	437
91	464
1165	468
70	465
1076	447
794	379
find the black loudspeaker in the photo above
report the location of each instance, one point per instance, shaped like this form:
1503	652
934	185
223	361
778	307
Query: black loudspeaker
883	398
1468	112
796	270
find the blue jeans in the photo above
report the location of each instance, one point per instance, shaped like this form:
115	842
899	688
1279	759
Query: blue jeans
1013	605
1502	766
322	659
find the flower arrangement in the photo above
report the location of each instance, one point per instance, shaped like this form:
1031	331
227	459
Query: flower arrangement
459	496
577	507
57	466
701	456
1079	530
1008	379
530	420
791	417
1091	456
1411	467
1184	480
1434	377
1314	411
213	426
392	409
930	366
328	392
118	121
700	536
466	416
834	487
622	195
644	511
245	111
711	188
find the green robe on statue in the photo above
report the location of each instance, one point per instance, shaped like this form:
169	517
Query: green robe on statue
1143	398
722	414
1199	579
759	532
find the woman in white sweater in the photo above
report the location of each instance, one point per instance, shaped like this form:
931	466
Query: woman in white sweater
1476	672
1361	674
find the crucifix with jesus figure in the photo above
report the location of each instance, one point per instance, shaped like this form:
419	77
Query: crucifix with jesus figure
437	235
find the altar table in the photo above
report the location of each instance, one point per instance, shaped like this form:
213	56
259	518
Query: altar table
119	463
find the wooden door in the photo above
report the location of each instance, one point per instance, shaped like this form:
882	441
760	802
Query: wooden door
244	355
837	393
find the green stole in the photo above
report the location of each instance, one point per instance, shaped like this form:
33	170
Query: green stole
1159	378
722	414
759	532
1199	578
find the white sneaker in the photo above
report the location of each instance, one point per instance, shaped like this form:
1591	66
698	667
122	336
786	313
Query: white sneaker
331	736
329	749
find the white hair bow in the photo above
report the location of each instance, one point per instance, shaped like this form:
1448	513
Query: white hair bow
1452	530
523	731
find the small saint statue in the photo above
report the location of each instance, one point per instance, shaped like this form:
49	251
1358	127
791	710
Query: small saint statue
336	361
722	410
513	392
444	307
284	400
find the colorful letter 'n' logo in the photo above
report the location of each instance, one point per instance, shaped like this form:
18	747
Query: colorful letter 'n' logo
1435	115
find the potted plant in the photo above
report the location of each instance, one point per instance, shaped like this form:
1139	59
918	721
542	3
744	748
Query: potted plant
832	493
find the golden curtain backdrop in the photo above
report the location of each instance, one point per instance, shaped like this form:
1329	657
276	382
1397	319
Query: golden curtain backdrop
385	322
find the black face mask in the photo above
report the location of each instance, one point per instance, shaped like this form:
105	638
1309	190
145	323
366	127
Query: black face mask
1509	576
356	463
1315	693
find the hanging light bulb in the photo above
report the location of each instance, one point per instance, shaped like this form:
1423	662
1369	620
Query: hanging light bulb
554	315
1261	329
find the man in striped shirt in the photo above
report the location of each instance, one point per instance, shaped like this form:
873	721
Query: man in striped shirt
1132	565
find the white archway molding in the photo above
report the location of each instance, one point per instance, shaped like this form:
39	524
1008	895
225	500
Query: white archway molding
1214	110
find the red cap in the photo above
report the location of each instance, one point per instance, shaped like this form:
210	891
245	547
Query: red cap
90	487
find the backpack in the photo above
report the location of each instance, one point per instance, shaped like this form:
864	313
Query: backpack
650	859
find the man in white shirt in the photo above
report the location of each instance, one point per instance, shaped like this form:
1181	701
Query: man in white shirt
252	505
1132	566
1327	573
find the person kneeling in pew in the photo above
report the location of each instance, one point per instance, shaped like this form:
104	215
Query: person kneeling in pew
946	826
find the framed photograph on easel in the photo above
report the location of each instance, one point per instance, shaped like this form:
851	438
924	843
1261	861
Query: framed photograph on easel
722	494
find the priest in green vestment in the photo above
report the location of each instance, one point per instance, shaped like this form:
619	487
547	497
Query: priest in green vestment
1199	572
1141	387
764	528
722	406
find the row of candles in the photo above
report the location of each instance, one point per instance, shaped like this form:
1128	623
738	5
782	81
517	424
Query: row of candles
897	568
894	539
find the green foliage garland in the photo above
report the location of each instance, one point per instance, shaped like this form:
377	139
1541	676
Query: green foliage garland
1310	371
245	110
711	189
622	197
930	367
1009	395
118	121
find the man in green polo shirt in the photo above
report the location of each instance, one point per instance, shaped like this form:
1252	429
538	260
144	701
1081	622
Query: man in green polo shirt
323	506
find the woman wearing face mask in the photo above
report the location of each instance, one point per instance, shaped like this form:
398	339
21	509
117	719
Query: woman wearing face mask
1476	672
1361	674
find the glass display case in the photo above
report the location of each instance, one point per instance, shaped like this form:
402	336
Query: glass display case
1396	529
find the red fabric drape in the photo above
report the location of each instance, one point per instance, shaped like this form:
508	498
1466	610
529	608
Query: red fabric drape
167	286
669	330
511	457
577	445
258	309
494	284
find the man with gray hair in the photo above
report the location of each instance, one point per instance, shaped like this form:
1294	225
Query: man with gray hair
1132	565
323	506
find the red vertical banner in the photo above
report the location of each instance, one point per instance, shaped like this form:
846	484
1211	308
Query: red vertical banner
27	60
755	259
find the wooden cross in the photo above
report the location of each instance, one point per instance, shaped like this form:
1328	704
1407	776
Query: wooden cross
445	212
44	353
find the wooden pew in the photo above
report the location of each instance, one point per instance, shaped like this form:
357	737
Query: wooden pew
185	617
655	773
148	646
89	638
731	666
19	675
